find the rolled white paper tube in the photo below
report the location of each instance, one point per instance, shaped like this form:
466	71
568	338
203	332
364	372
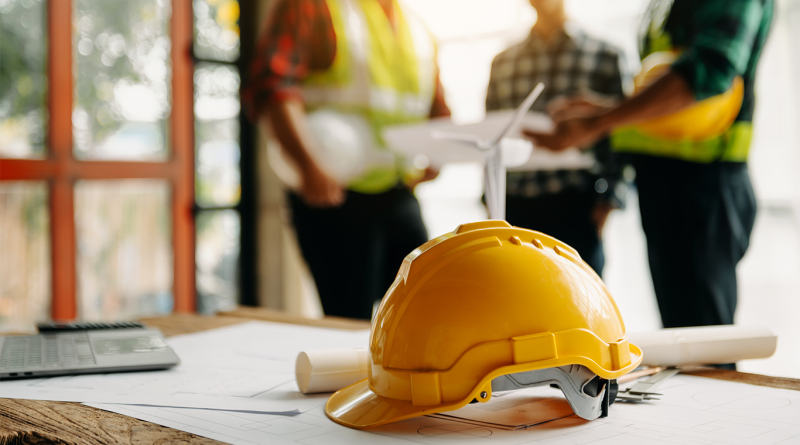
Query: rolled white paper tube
328	370
333	369
704	345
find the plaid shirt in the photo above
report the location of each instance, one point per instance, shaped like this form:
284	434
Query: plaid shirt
571	63
299	38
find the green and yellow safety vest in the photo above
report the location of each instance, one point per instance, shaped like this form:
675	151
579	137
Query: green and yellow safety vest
383	74
731	145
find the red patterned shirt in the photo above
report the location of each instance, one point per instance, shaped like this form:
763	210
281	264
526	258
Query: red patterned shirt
298	38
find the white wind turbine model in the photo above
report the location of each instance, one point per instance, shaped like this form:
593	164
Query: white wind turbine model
494	169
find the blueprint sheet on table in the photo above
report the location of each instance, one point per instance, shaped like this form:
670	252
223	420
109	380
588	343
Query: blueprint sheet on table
249	366
693	410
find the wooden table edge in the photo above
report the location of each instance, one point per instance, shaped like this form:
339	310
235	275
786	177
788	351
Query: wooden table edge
78	418
743	377
264	314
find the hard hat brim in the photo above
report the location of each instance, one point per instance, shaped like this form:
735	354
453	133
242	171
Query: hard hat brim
358	407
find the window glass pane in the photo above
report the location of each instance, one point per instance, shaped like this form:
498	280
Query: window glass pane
216	29
122	79
23	61
24	255
124	248
217	134
217	260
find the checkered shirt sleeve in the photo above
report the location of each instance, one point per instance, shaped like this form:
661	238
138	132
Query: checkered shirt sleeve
576	64
298	38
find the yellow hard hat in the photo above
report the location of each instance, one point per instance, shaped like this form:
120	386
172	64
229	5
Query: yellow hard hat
704	120
485	303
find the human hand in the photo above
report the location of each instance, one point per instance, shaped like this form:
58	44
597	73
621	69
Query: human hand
600	214
319	189
561	109
429	174
573	132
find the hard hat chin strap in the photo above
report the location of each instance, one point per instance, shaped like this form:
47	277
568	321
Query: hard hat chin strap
587	394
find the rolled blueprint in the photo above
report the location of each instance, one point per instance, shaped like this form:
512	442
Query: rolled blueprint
329	370
333	369
704	345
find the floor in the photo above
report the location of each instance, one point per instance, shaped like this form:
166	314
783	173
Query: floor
769	275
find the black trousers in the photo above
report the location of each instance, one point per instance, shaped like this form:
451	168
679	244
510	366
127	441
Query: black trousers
697	219
354	251
566	216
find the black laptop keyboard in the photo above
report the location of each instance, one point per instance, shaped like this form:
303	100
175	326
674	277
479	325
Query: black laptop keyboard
41	352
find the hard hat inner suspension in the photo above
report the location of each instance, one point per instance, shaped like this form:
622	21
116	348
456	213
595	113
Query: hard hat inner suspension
587	394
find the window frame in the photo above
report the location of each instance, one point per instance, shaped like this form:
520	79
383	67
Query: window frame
61	169
247	207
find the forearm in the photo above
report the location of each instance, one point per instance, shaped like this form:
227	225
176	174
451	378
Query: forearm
290	126
667	95
439	107
287	119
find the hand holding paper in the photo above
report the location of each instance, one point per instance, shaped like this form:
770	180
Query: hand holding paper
496	143
572	132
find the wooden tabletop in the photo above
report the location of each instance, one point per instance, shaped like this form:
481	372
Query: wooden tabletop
40	422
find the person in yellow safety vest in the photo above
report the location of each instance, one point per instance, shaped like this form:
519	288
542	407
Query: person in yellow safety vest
327	77
696	199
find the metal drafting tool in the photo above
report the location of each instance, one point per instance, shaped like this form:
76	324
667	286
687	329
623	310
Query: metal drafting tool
643	391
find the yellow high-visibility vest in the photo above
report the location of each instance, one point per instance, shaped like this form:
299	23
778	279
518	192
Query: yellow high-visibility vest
702	133
383	74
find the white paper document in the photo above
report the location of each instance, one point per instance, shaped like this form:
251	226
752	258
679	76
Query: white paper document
329	370
693	410
246	367
418	139
705	344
